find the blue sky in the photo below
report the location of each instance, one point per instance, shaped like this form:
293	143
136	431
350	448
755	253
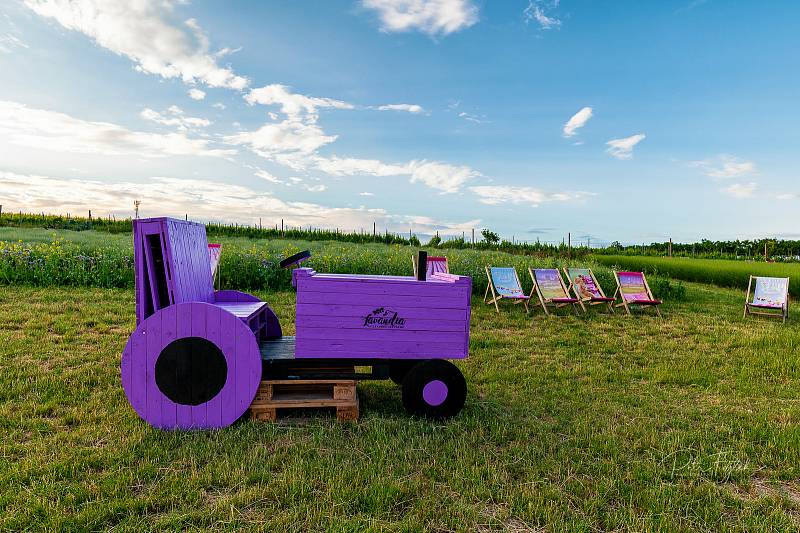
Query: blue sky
632	121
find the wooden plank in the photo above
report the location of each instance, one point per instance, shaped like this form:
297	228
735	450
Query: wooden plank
358	348
199	412
377	278
280	348
214	333
138	397
243	374
228	346
410	324
277	395
153	350
385	335
425	288
326	310
380	301
184	412
169	332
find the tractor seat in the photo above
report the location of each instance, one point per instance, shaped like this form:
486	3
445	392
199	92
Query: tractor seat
242	310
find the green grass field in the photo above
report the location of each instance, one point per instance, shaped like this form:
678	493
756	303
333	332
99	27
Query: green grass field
90	258
571	424
720	272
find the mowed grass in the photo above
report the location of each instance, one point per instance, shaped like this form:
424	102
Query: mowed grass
571	424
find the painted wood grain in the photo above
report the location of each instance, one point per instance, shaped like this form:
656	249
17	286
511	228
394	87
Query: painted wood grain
194	319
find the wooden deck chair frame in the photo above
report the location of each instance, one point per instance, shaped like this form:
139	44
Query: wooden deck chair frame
545	303
626	304
583	302
497	297
414	260
783	311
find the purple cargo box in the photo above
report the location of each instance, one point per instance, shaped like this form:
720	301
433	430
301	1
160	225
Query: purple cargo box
381	317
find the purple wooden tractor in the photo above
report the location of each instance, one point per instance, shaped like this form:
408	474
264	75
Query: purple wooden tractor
197	355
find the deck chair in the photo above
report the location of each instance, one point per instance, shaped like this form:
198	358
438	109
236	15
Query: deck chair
504	285
633	290
436	265
549	287
770	297
585	287
214	252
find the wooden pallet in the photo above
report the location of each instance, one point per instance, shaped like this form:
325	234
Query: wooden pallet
280	394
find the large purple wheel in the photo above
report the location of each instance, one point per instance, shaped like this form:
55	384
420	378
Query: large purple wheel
191	366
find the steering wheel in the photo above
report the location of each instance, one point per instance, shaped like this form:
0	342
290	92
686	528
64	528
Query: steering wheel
296	259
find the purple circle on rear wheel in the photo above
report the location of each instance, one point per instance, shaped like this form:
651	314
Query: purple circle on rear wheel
434	393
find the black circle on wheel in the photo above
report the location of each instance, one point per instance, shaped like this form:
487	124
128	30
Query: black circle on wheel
434	389
191	371
399	369
297	258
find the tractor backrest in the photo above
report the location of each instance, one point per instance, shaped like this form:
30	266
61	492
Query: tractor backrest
171	264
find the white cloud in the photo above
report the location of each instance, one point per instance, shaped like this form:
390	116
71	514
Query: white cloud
434	174
219	105
441	176
410	108
174	117
427	225
291	138
623	148
787	196
291	141
472	118
53	131
202	200
577	121
536	12
196	94
740	190
315	188
227	51
9	42
142	32
365	193
433	17
161	196
293	105
725	166
294	142
351	166
503	194
264	175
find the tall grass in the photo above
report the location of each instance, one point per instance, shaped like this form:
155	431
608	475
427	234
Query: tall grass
92	259
715	271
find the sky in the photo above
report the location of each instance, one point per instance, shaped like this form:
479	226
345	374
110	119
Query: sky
626	120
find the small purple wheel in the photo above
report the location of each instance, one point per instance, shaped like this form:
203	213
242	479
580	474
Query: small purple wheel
191	366
434	389
434	392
